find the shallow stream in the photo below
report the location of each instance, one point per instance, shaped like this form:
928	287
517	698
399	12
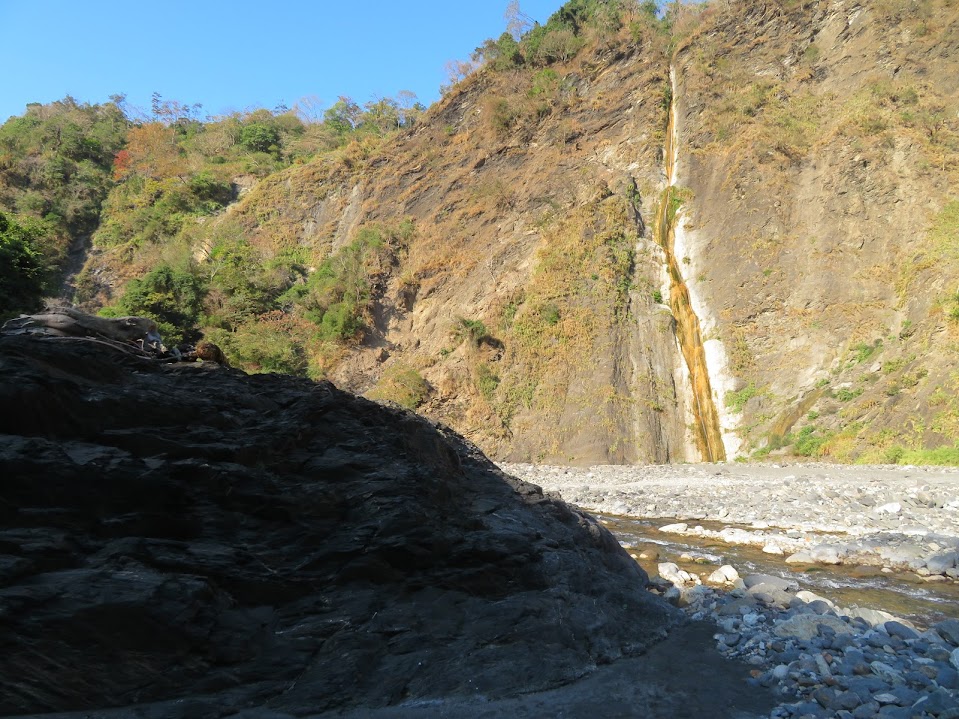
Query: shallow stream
905	595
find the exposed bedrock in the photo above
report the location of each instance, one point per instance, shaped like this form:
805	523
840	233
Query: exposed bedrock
190	532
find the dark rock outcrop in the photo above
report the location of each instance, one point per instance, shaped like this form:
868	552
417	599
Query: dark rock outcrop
190	532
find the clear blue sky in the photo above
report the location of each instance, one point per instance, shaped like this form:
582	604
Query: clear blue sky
240	54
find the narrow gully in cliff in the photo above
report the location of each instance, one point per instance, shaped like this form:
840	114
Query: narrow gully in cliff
707	428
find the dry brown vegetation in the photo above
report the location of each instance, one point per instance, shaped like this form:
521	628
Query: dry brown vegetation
825	150
820	149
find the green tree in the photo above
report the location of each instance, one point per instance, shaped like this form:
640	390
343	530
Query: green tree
240	286
343	116
260	137
56	164
173	298
337	295
22	270
501	54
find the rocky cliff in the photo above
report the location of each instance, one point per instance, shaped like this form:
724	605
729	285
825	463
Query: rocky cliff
804	286
189	532
819	144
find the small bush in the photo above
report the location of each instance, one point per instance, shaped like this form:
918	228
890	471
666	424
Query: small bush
940	456
259	349
736	401
893	454
545	82
809	443
402	384
486	382
558	46
550	314
337	295
472	330
171	297
503	116
893	365
259	137
21	267
847	395
864	351
274	341
952	307
212	193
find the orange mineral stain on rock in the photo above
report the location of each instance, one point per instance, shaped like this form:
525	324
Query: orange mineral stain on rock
707	428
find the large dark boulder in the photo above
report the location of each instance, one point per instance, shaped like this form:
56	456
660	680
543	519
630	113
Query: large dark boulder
190	532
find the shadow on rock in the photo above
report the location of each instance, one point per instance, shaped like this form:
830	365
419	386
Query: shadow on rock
196	541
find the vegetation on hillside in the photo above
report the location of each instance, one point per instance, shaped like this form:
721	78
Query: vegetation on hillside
55	168
578	23
151	191
24	271
263	231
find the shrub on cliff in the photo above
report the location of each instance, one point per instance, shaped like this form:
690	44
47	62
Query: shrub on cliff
401	384
172	298
21	266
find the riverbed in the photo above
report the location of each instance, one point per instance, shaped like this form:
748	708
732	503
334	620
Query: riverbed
902	594
880	537
839	585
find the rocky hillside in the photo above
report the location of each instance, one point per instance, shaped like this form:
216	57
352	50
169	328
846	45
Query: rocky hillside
821	151
529	280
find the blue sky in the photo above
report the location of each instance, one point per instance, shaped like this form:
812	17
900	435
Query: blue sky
238	55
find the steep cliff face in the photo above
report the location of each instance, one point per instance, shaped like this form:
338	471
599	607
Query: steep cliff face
531	194
550	298
820	149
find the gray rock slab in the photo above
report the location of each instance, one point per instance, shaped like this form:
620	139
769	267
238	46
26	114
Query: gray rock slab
807	626
787	585
948	629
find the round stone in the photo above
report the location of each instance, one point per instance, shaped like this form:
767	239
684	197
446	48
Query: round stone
781	671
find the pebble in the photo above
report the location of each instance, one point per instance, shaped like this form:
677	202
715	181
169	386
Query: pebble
875	671
829	662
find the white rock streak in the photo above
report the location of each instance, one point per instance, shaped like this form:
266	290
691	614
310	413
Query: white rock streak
684	248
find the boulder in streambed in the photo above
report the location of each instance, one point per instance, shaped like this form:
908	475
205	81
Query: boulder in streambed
948	629
807	626
726	574
787	585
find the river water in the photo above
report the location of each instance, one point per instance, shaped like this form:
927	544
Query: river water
905	595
